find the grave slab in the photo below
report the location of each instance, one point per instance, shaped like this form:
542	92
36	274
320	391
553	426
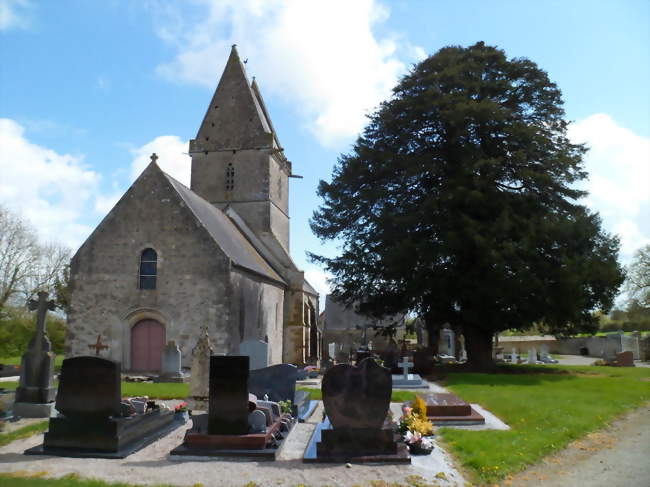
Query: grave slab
226	430
90	424
448	409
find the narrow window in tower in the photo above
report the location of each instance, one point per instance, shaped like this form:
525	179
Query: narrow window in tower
230	177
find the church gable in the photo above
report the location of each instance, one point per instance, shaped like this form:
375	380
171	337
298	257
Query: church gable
151	213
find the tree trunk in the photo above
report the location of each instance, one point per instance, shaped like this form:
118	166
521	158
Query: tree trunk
478	343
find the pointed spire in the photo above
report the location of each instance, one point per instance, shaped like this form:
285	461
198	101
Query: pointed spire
234	119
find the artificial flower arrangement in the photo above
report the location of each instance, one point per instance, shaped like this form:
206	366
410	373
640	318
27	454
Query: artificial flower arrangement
415	427
285	406
181	408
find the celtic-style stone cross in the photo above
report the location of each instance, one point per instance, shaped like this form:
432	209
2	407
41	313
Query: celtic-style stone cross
41	306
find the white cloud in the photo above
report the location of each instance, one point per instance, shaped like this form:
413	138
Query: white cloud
50	190
172	157
13	14
322	57
619	178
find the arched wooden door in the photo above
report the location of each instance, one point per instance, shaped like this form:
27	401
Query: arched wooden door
147	343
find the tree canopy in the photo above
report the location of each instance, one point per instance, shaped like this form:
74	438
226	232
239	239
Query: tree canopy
459	201
638	277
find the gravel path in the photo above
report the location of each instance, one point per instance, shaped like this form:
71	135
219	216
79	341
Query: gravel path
618	456
151	465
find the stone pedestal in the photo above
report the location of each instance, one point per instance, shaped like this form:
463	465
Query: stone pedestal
357	445
34	410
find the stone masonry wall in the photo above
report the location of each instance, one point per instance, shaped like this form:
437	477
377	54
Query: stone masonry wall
192	285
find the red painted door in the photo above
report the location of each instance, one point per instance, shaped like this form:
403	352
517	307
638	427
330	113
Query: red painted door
147	343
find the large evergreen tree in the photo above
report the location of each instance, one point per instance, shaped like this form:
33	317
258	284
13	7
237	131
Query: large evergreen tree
459	202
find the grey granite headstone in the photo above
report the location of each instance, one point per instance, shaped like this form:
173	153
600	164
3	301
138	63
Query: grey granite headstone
276	381
357	397
257	351
532	356
257	421
89	387
228	403
272	406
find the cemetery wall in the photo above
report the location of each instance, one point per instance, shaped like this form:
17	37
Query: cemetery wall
597	346
192	289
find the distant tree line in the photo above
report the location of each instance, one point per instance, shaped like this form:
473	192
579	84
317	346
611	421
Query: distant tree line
29	265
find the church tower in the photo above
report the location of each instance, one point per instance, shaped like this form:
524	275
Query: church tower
237	160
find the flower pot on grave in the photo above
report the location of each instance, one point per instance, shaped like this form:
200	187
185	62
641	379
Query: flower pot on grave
417	449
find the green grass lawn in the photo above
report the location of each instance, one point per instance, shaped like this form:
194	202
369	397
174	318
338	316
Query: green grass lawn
546	410
24	432
72	480
16	361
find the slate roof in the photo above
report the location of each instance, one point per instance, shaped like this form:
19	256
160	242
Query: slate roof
224	232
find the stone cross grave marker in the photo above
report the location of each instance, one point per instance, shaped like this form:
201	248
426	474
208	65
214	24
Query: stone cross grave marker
37	366
405	365
98	345
42	305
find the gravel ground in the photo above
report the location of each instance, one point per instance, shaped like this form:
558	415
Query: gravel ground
152	465
618	456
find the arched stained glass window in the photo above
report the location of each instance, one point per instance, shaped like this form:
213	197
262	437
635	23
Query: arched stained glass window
148	269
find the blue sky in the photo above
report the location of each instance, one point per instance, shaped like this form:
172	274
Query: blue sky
89	89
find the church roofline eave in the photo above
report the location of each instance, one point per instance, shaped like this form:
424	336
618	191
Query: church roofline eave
283	284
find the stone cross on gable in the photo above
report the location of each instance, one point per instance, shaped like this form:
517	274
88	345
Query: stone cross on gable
42	305
404	365
98	345
154	157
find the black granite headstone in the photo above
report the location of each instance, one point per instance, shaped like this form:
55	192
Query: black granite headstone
228	395
276	381
357	397
89	387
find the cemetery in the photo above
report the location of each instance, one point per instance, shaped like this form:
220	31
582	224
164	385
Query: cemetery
467	333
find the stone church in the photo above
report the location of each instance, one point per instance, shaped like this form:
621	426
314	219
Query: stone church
169	260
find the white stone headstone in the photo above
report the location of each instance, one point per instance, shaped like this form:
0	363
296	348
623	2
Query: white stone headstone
513	356
404	365
447	344
331	350
257	351
171	362
543	352
532	356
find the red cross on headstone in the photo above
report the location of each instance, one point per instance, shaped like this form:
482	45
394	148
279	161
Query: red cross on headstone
98	346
